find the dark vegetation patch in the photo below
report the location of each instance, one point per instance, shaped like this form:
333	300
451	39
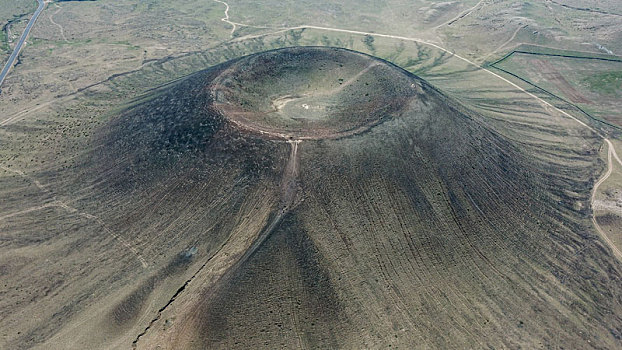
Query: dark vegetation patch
177	129
609	219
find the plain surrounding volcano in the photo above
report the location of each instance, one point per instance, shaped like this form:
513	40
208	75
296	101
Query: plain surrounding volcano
321	198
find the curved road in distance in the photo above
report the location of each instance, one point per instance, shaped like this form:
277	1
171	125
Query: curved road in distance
20	43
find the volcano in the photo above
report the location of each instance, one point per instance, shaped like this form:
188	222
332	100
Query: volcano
314	197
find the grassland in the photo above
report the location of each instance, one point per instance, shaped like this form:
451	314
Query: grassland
607	83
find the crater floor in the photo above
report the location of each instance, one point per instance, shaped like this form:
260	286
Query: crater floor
310	92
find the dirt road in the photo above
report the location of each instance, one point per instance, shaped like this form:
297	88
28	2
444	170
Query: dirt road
610	155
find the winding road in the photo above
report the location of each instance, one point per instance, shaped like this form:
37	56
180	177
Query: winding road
226	18
611	153
21	42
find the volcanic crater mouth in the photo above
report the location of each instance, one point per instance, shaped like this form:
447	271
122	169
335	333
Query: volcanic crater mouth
310	92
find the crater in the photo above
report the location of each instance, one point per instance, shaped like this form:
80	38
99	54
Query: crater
311	92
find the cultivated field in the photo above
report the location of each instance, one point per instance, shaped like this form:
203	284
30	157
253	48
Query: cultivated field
592	83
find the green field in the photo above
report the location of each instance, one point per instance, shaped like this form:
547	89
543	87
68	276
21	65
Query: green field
592	83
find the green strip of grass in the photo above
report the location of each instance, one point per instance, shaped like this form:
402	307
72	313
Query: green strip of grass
539	50
609	83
